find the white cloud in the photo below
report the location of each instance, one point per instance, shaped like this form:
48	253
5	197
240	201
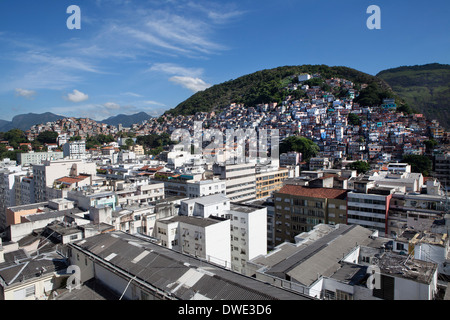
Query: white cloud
217	12
42	58
29	94
154	103
183	33
193	84
111	105
77	96
132	94
186	77
173	69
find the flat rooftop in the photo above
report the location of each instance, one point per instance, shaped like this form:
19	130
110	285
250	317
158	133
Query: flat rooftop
197	221
401	266
302	263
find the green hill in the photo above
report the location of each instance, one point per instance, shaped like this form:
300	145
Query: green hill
267	86
425	88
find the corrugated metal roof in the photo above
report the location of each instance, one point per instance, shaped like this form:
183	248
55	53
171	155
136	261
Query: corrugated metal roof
182	276
321	258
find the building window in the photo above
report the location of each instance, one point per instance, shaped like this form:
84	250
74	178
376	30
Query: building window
29	291
341	295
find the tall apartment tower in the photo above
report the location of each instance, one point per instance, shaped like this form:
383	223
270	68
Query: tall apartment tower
240	180
8	189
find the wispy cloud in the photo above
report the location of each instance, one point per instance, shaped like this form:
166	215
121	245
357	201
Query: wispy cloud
153	103
77	96
29	94
132	94
217	13
172	68
43	58
193	84
111	106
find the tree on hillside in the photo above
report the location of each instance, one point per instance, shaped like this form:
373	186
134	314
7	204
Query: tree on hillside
419	163
14	137
373	95
359	166
154	141
75	138
353	119
307	147
430	144
47	137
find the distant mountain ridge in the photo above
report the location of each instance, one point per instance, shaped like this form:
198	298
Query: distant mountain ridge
127	120
26	121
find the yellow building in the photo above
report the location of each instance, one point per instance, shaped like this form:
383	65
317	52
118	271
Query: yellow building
269	182
137	149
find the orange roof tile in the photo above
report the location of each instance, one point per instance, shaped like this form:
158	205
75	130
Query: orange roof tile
328	193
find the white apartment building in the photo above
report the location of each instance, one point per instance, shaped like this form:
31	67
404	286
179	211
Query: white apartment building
410	181
95	198
196	189
30	158
126	156
75	149
24	189
370	209
8	189
62	139
193	188
140	194
206	238
205	206
399	167
46	173
248	230
176	159
240	180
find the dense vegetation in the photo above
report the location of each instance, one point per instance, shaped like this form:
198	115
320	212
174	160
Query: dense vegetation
267	86
424	88
307	147
419	163
373	95
14	138
359	166
154	142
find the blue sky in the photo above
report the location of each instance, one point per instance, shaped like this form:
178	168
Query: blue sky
139	55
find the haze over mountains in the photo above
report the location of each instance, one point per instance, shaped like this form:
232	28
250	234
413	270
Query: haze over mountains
424	88
25	121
